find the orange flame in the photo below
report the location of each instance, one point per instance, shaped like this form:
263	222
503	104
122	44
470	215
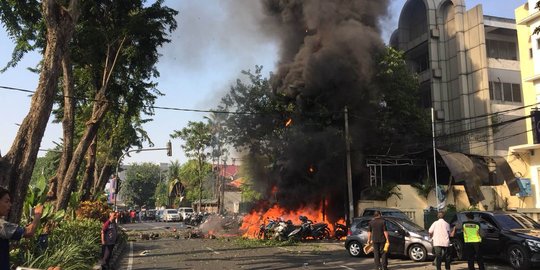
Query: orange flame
288	122
251	222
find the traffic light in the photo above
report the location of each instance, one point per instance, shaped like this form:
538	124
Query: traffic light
169	149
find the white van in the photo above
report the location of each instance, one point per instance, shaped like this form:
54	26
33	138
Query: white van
184	211
170	215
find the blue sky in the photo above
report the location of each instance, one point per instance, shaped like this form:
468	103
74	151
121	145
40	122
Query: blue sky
215	40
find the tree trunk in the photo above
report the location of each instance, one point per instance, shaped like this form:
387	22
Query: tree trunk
17	165
88	179
101	106
68	126
99	185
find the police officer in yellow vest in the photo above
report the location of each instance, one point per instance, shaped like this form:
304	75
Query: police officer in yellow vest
472	237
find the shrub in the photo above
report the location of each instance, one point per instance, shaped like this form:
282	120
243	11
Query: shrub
97	210
74	244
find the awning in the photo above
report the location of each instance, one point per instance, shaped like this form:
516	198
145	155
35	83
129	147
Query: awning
473	171
465	171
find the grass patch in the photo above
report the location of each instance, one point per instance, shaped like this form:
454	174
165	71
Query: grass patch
253	243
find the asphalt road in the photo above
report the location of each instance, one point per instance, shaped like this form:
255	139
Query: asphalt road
166	252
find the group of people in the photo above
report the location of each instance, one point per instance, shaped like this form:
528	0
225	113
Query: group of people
440	232
14	232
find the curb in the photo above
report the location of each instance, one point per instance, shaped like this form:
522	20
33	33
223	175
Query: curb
117	253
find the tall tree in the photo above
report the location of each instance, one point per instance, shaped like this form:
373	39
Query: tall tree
116	49
189	173
197	138
51	26
139	187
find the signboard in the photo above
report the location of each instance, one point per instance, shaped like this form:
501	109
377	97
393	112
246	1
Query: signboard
525	189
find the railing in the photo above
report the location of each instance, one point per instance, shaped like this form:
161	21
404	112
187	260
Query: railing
533	213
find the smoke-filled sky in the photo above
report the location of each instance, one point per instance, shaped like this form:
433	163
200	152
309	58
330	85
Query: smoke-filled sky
215	40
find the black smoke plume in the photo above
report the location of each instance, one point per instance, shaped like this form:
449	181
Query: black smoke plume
326	63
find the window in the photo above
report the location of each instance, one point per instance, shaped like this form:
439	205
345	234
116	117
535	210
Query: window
390	226
507	92
501	49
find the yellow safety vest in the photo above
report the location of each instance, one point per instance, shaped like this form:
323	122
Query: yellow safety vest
471	233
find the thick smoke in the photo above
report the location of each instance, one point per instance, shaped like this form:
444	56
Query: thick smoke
326	63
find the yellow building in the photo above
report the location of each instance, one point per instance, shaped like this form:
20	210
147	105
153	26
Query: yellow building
525	159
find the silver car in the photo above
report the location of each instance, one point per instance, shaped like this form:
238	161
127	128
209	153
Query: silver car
406	238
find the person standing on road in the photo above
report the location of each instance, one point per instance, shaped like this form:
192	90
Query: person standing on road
378	236
439	231
472	238
11	231
109	234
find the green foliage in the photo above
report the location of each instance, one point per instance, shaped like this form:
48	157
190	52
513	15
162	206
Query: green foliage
197	138
425	187
253	167
45	167
97	210
160	196
37	195
189	175
384	192
74	244
261	115
257	243
140	184
401	124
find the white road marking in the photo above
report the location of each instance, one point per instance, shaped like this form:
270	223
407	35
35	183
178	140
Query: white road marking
130	261
215	252
286	249
346	267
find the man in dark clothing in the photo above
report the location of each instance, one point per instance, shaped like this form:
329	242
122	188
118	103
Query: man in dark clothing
472	238
109	234
378	236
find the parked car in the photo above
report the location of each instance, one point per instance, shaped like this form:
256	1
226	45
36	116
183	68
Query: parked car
151	214
185	211
159	215
171	215
512	236
385	212
406	238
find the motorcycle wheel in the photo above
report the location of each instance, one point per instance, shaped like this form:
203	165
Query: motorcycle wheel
325	234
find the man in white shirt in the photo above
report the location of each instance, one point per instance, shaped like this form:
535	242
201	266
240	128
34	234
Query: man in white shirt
440	234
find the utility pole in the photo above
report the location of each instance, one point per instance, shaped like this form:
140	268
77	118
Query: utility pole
222	206
349	171
434	155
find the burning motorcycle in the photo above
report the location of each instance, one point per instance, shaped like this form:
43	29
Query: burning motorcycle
265	230
340	231
282	230
308	229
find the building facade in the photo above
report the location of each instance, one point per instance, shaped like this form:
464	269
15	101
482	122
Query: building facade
525	158
469	72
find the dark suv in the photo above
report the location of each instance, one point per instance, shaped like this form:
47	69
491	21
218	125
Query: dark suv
512	236
406	238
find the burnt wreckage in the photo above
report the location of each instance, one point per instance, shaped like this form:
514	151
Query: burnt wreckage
471	171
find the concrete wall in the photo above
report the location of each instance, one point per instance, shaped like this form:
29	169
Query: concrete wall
496	198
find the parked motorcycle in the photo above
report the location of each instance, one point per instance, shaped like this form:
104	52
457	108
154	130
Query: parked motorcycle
308	229
283	229
340	231
266	230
